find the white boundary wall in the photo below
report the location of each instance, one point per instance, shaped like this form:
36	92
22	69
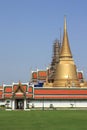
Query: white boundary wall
57	103
2	102
48	103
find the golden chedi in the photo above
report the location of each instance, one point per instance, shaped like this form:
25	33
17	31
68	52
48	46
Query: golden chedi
66	72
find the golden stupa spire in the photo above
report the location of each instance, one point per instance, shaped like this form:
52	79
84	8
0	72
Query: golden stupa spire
65	50
66	71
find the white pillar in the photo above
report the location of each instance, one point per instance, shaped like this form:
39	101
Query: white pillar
13	104
24	104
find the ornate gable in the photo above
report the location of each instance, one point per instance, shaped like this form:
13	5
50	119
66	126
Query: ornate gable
19	87
19	90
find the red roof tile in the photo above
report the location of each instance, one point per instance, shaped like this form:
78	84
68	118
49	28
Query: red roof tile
30	89
29	95
8	95
1	92
8	89
58	91
60	97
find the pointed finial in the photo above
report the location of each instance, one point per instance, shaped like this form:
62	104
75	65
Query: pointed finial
65	23
65	49
60	37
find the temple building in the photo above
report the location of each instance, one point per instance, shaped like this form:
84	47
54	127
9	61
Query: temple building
60	85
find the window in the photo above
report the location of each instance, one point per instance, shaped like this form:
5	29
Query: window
8	101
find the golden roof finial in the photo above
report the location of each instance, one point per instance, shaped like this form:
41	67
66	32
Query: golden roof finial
65	49
65	24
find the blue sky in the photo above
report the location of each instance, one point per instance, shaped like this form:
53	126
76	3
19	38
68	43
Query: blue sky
28	29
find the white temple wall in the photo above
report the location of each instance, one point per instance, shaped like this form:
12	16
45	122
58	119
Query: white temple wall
46	103
8	103
81	103
57	103
2	102
13	104
49	103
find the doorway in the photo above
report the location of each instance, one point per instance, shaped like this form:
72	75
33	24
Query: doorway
19	103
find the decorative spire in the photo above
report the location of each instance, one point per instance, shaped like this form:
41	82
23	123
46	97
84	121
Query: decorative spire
65	49
65	72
